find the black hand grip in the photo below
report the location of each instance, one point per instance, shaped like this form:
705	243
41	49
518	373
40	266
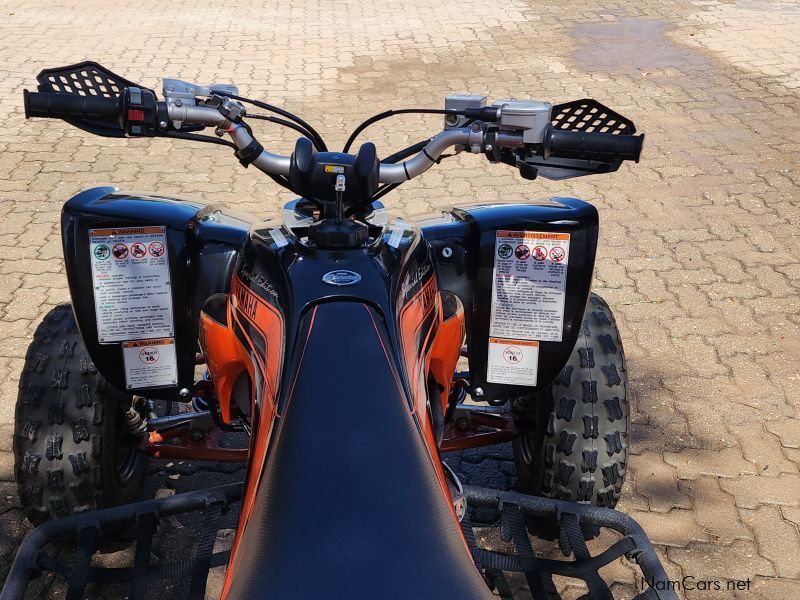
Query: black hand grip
60	106
602	147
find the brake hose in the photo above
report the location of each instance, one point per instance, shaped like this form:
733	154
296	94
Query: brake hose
391	113
289	124
406	152
313	135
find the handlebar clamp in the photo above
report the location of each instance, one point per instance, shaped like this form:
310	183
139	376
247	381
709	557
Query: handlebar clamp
249	153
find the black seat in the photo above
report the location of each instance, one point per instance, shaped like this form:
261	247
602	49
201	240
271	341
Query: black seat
349	505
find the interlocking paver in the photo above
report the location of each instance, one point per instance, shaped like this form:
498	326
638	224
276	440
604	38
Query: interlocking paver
770	588
677	528
658	482
788	430
791	514
699	252
773	535
739	561
763	449
715	510
753	490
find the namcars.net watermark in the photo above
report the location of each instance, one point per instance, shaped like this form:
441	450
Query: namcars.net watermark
692	583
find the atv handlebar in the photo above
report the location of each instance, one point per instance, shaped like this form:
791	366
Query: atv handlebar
512	132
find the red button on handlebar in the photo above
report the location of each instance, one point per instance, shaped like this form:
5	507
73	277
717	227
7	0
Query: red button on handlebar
135	115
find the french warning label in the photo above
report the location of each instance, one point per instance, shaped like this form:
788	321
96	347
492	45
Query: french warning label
513	362
528	290
130	274
150	363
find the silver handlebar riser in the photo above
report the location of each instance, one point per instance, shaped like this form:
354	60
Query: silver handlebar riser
397	173
274	164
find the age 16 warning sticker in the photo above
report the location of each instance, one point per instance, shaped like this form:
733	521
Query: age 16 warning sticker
130	275
512	361
150	363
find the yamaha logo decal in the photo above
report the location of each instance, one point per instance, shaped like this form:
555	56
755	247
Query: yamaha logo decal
341	277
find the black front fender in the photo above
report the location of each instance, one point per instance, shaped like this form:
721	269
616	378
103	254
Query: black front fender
202	245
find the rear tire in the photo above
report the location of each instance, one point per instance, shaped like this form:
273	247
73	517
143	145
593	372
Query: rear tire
575	440
71	451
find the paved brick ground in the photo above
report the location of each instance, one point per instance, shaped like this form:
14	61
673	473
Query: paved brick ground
699	257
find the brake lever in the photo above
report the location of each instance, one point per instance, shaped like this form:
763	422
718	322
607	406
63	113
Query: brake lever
190	127
526	170
509	157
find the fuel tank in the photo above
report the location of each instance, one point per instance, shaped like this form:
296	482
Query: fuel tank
280	268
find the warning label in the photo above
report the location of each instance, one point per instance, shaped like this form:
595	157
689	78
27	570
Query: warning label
514	362
528	290
150	363
130	274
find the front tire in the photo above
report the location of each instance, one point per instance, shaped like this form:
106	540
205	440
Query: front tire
575	440
71	450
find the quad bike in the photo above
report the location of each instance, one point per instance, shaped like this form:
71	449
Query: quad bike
331	337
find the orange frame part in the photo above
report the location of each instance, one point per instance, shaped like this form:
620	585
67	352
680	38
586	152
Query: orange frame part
227	357
446	350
